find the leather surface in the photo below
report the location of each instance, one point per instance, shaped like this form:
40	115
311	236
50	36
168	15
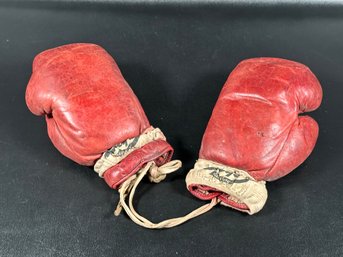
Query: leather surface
176	59
255	124
88	106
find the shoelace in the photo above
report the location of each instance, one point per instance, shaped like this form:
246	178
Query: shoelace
156	174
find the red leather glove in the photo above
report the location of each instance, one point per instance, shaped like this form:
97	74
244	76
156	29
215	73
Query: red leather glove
255	133
94	118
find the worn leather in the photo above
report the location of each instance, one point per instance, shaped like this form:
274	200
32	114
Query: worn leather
258	125
88	106
158	150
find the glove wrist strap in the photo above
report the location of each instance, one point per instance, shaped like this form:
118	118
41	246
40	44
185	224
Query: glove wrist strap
155	173
120	151
236	184
128	188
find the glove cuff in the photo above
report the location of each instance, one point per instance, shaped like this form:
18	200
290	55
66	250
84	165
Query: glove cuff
120	151
125	159
237	185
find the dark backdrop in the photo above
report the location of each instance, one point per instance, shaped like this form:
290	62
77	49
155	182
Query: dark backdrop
176	58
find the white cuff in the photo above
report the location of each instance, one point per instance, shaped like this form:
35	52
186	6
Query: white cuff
238	184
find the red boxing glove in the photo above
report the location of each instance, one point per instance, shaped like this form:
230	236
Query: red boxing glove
255	133
94	118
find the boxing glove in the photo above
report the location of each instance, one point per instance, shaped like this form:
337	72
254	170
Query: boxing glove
257	132
94	118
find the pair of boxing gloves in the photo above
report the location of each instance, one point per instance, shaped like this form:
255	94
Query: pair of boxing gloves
255	133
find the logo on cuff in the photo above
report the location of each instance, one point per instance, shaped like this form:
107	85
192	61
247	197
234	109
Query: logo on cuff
227	177
122	148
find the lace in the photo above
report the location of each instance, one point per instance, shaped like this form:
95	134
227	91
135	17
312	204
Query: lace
155	174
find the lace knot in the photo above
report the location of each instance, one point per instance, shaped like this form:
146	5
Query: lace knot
157	174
